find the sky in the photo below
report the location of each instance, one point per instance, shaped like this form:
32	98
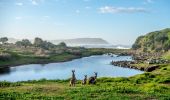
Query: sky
117	21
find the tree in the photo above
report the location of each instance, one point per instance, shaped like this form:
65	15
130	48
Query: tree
24	42
62	44
3	40
18	43
38	42
47	45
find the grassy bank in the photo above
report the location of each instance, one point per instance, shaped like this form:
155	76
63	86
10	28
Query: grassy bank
26	58
166	55
19	60
151	85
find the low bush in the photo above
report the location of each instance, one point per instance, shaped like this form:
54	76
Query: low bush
9	84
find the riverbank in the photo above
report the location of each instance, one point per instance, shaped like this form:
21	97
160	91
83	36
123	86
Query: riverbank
41	60
133	65
63	70
147	86
19	59
144	61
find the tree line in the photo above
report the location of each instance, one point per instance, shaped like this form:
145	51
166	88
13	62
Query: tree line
38	42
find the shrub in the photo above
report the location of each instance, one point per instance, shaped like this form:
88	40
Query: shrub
164	80
9	84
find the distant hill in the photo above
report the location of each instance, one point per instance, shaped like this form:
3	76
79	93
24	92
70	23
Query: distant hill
70	41
153	41
81	41
106	46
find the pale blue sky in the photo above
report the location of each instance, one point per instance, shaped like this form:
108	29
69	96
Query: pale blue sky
117	21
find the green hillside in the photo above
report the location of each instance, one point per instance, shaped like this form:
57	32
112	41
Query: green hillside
153	41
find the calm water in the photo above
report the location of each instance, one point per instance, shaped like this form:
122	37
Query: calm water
83	66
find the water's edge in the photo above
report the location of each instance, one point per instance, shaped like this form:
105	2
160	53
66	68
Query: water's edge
62	70
44	62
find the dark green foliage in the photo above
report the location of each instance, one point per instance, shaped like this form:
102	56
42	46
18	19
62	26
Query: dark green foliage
5	57
164	80
24	42
45	80
154	41
9	84
47	45
166	45
3	40
38	42
62	44
137	44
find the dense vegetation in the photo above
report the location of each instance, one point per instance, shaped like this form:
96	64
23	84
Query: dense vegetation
40	51
149	86
166	55
25	52
153	85
154	41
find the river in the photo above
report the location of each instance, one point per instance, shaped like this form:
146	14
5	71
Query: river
83	66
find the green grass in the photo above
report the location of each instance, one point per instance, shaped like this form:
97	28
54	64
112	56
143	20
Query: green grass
150	85
166	55
19	60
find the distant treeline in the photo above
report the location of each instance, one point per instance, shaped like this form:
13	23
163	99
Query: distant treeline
38	42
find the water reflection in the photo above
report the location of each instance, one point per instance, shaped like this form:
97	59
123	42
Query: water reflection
4	71
83	66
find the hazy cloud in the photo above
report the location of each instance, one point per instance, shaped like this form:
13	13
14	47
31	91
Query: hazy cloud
18	17
109	9
87	7
19	3
34	2
58	24
148	1
77	11
46	16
